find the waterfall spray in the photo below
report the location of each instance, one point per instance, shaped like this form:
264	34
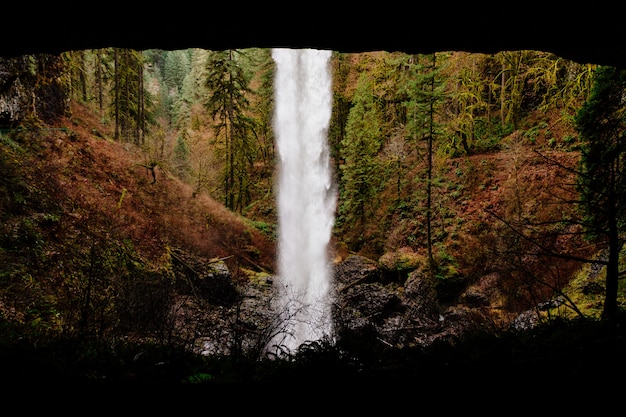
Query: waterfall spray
306	195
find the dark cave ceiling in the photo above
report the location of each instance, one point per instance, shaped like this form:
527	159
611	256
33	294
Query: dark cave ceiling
586	35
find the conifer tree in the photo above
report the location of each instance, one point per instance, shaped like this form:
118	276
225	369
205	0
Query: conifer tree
601	123
341	105
176	67
102	75
359	148
423	93
228	85
75	63
264	110
128	106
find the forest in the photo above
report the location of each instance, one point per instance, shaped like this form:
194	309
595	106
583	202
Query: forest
462	165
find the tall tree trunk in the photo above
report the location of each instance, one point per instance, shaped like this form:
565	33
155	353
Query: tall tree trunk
99	81
231	145
609	311
81	75
126	132
429	175
141	119
502	90
116	81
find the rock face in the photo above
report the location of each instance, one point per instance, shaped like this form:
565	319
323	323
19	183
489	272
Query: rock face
14	95
367	308
31	85
399	314
210	281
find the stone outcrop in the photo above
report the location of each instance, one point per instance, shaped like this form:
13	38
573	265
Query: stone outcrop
399	314
367	308
15	97
31	86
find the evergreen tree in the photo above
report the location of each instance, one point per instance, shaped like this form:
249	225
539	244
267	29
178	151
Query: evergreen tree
341	105
181	114
128	96
76	68
176	67
423	93
601	123
103	73
228	86
181	154
264	111
359	149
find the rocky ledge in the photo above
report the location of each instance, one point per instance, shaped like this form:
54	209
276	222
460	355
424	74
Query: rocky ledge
367	304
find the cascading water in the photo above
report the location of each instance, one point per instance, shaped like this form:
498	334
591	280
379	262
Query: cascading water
306	196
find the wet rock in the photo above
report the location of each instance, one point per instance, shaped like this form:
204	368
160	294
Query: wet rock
525	320
31	85
365	308
356	269
421	295
211	281
484	293
372	301
475	298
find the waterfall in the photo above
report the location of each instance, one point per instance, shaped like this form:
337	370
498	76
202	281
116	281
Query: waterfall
306	195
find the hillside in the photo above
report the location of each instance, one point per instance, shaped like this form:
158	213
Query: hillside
76	200
490	201
83	219
70	191
85	177
105	249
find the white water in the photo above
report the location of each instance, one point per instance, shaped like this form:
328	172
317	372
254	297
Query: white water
306	196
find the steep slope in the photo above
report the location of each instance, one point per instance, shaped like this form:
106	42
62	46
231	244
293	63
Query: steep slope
156	207
82	215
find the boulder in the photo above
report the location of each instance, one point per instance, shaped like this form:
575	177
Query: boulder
356	269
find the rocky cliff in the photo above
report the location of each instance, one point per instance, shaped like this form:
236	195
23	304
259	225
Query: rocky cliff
31	85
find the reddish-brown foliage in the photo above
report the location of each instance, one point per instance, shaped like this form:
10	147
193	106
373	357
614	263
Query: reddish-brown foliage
104	181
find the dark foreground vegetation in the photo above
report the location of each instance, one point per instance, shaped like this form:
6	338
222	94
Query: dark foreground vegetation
567	355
